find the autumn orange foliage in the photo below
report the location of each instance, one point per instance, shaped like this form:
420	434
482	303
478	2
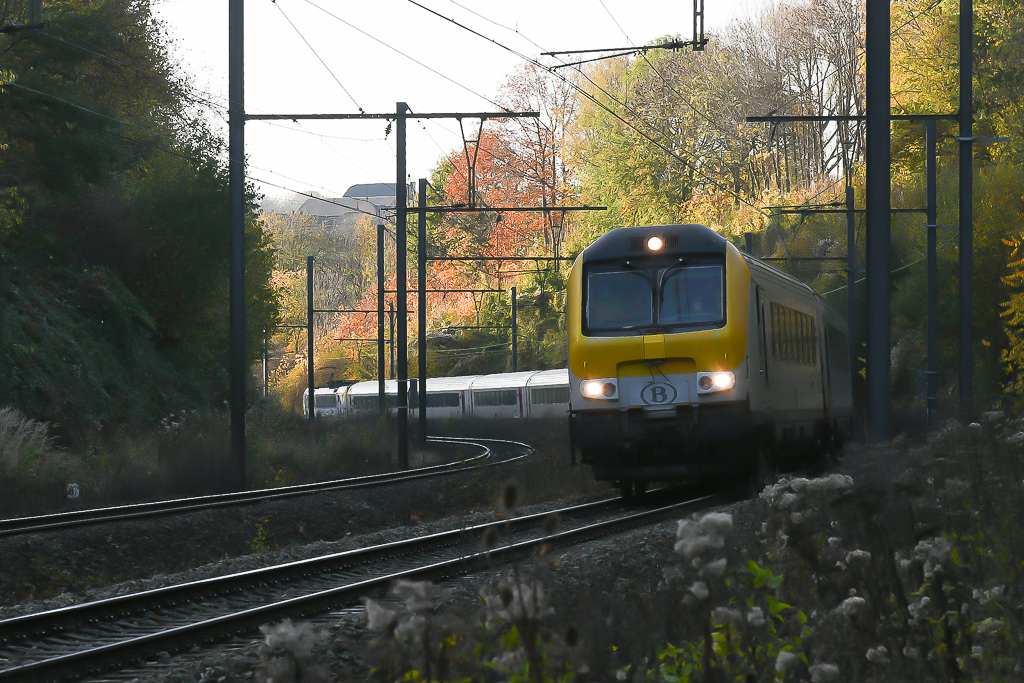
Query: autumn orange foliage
503	163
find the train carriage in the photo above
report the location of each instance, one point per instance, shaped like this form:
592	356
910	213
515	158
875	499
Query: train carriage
500	396
330	401
688	357
363	397
548	394
448	397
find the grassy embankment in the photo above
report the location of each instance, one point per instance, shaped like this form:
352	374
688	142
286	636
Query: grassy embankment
187	455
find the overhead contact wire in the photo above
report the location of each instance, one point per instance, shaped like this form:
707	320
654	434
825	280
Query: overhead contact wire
317	55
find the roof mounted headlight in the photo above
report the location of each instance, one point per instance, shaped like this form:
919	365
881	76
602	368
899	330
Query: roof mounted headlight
655	243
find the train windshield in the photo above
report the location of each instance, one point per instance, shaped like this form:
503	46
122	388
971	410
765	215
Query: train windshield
648	300
691	295
618	300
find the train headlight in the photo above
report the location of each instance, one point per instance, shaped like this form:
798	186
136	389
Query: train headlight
655	243
599	389
709	382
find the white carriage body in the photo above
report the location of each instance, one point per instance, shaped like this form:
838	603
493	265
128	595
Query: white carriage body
328	402
447	397
548	393
500	396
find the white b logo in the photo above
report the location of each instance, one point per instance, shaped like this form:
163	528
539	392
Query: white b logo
657	393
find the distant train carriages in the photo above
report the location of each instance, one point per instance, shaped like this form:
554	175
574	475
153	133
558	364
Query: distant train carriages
510	395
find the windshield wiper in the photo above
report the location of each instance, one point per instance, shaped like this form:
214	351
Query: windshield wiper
675	266
641	270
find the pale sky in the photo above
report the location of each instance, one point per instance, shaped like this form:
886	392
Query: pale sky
284	76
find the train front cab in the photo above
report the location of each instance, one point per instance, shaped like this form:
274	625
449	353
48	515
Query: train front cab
659	374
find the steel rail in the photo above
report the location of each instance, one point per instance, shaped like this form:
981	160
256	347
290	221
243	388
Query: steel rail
61	520
14	629
133	651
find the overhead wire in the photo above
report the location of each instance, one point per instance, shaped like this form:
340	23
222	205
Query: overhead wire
695	168
410	58
354	164
894	270
165	150
317	55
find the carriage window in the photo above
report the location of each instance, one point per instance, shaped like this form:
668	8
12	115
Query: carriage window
794	336
364	402
445	400
618	300
326	401
549	395
369	401
692	295
501	397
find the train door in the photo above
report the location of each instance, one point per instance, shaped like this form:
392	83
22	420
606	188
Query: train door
826	369
762	337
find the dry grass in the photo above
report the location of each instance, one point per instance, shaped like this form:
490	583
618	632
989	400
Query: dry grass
23	440
186	454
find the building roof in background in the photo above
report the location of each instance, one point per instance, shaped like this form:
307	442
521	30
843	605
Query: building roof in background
366	190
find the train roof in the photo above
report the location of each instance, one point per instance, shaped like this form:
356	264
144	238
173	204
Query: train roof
460	383
371	387
340	391
685	238
504	380
549	378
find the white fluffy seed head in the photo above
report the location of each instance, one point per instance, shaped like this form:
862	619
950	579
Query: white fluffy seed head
852	605
699	589
785	661
712	569
696	536
822	672
726	615
378	618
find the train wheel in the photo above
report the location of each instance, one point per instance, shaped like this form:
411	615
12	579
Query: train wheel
639	488
626	488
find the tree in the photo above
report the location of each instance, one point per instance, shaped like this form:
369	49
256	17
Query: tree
107	164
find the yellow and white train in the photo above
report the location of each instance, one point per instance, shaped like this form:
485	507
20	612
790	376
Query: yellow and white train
689	358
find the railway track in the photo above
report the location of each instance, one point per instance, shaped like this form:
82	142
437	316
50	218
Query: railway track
102	637
499	452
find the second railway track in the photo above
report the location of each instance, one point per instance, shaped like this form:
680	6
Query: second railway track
107	635
499	452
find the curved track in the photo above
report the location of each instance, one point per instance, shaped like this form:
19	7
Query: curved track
104	636
62	520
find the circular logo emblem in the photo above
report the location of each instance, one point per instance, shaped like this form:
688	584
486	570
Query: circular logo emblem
657	393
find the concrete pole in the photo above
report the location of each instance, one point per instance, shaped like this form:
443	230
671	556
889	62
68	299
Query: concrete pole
932	385
381	359
878	204
421	307
311	402
966	205
515	335
401	214
236	230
